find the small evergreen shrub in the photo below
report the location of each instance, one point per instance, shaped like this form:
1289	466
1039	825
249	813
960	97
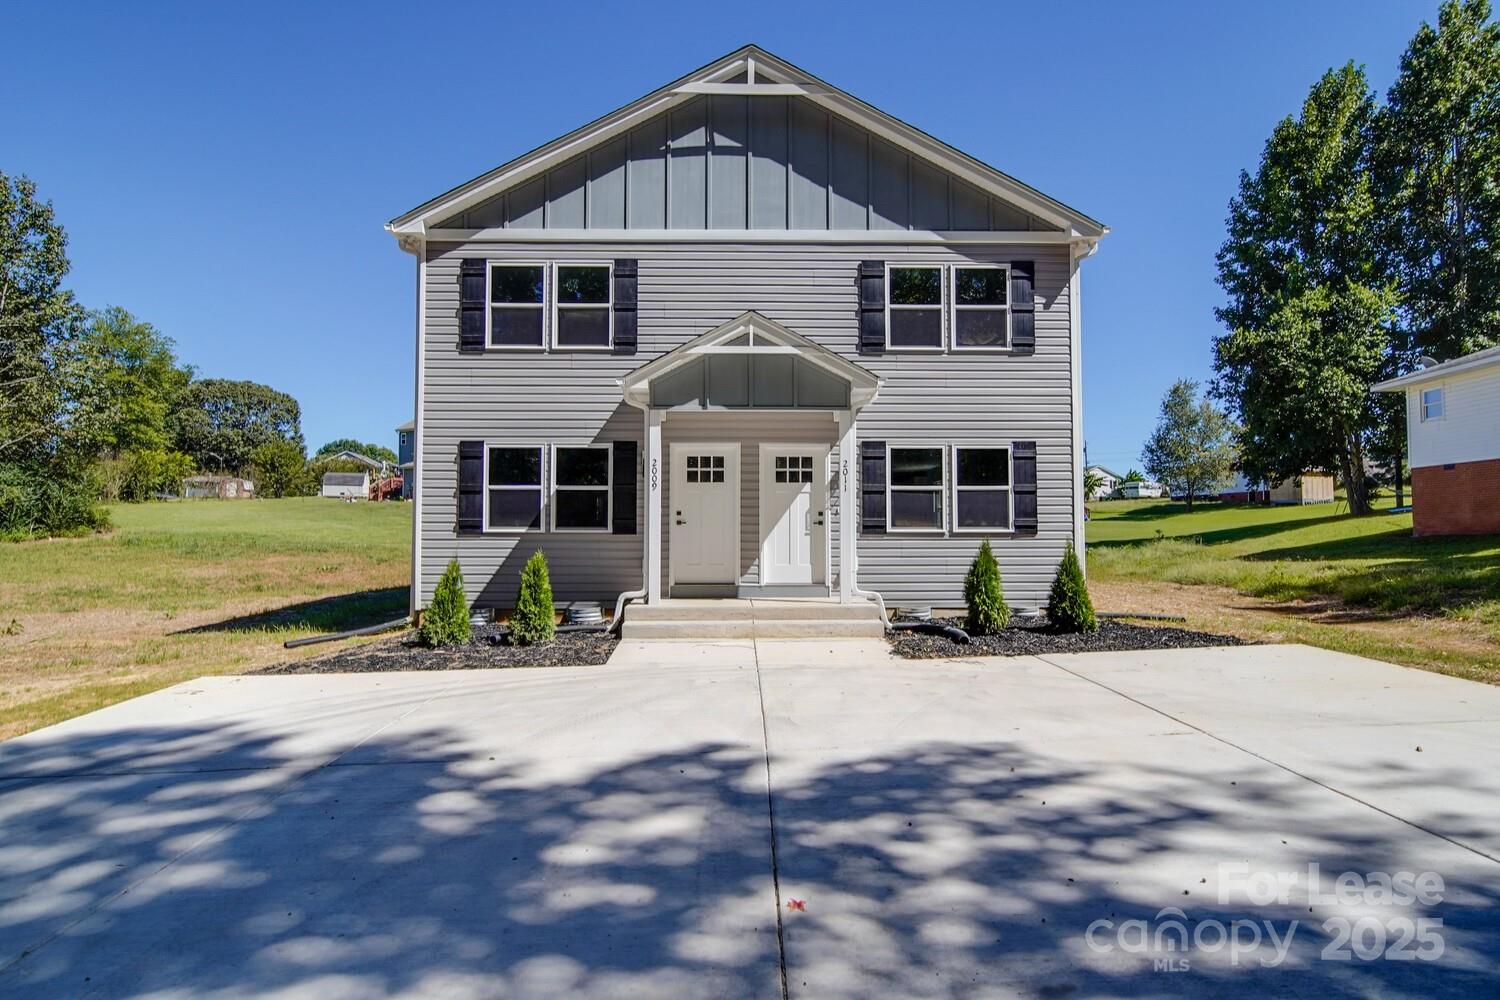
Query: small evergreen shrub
988	612
1069	608
446	620
534	619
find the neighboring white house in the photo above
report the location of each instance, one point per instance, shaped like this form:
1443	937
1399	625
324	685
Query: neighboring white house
1141	490
1109	481
1453	444
346	485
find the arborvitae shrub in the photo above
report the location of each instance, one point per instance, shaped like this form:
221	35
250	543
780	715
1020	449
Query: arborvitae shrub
534	619
988	612
446	620
1069	608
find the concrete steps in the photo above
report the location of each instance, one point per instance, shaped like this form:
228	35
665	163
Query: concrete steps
751	619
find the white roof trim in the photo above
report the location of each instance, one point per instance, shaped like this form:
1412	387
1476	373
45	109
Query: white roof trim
863	383
764	67
1469	362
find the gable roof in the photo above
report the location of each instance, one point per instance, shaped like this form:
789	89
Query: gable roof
753	72
1111	473
764	335
1469	362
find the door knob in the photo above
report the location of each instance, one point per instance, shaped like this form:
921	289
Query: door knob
681	521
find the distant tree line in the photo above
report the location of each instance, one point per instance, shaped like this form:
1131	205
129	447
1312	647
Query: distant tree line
95	405
1368	236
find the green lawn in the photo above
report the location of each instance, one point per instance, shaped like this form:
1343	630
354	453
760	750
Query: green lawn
1289	553
176	590
1360	584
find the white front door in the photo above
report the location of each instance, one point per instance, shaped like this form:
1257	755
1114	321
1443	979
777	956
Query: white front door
793	513
704	512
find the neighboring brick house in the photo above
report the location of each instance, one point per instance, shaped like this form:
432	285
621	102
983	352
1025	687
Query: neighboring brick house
1453	444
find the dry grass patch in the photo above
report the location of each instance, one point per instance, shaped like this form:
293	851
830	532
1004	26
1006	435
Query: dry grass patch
180	590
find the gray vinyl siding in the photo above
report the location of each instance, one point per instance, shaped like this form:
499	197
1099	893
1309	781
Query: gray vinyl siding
732	162
685	290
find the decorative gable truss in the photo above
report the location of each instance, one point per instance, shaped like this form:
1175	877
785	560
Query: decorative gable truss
748	143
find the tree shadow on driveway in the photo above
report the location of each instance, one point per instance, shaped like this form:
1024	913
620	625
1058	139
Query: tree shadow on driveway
206	860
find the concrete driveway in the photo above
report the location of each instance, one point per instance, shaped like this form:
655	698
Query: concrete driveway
1022	827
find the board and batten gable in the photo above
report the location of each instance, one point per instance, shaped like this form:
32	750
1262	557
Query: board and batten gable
747	163
687	288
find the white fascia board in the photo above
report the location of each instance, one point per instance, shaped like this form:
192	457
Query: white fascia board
1473	362
1018	236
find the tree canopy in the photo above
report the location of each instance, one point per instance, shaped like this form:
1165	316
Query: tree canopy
41	371
375	451
1437	168
220	422
1309	305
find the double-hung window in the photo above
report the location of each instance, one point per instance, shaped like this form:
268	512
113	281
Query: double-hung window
513	488
914	308
981	307
914	499
583	313
518	305
981	489
581	488
1432	404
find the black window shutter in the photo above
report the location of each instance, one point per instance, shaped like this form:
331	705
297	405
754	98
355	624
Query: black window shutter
626	272
872	487
1023	306
623	521
471	305
470	487
1023	480
872	307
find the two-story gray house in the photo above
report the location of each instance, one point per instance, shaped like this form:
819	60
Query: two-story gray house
747	336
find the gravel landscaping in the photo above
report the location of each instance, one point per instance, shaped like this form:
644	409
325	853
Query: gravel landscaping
488	649
1034	636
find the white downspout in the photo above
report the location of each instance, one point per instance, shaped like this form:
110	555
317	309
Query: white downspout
848	540
636	595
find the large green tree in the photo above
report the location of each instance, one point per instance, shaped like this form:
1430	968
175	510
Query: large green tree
1437	167
42	373
1192	449
1309	304
137	383
220	422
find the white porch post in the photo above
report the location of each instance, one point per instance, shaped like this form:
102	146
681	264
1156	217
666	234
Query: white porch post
654	473
847	519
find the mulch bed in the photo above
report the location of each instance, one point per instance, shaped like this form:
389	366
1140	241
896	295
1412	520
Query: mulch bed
1034	636
487	650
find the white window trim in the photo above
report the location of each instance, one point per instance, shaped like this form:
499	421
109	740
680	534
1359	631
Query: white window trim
890	487
1010	461
608	306
540	488
941	306
609	489
489	306
1442	391
954	309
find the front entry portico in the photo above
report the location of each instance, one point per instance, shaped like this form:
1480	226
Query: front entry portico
749	461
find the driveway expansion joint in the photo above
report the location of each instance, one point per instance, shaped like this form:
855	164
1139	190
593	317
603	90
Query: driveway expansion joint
1277	764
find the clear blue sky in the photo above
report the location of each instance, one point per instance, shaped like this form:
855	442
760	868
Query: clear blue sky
224	171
